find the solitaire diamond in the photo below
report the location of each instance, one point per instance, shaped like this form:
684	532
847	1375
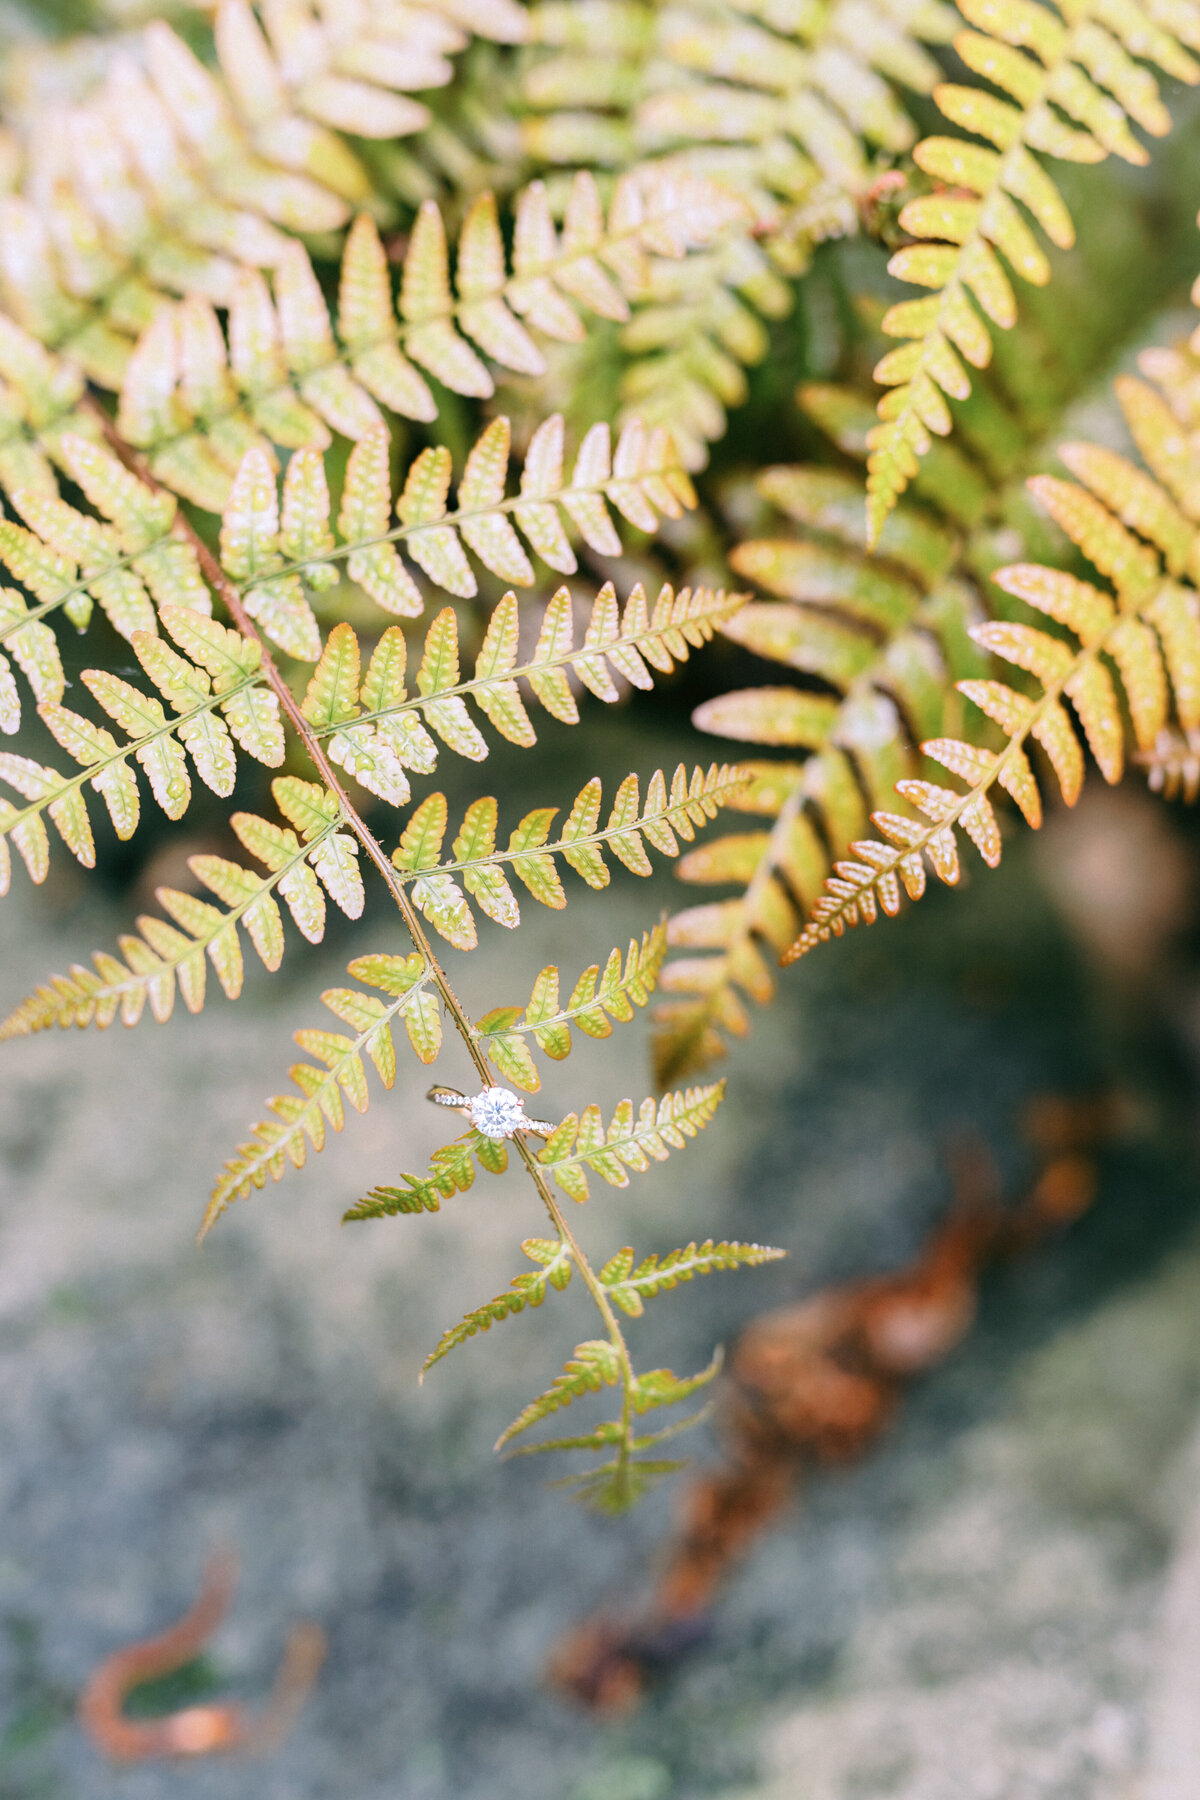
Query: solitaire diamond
497	1113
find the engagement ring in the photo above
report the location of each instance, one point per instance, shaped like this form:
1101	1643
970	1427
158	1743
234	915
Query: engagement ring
495	1113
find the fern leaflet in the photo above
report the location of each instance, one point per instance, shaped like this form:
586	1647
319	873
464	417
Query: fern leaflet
169	177
531	855
452	1171
302	872
527	1289
374	728
631	1287
631	1141
594	1002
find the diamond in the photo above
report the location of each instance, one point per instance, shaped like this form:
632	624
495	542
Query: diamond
497	1113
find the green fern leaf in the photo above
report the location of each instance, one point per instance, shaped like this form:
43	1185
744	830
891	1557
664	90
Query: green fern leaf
614	1486
387	736
630	1287
631	1141
531	855
595	1365
527	1289
659	1387
595	1001
641	478
452	1171
163	956
195	405
204	726
301	1119
66	560
617	1485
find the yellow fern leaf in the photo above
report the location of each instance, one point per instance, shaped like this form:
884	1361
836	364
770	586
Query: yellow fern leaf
1079	60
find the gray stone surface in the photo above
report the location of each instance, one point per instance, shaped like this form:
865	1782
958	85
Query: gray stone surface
1022	1649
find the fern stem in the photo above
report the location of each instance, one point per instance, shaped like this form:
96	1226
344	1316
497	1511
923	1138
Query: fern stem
451	1001
230	596
595	1287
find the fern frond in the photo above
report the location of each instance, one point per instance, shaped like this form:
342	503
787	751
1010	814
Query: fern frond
595	1001
452	1171
169	176
595	1365
38	392
664	816
302	870
887	637
195	402
67	560
781	96
615	1485
659	1387
527	1289
1145	642
631	1287
300	1118
603	1437
271	544
373	729
631	1141
790	108
277	541
1087	64
203	731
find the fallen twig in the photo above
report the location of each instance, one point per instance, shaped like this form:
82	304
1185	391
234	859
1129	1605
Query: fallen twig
195	1730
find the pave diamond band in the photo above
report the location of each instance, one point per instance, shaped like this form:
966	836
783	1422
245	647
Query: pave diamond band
496	1112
